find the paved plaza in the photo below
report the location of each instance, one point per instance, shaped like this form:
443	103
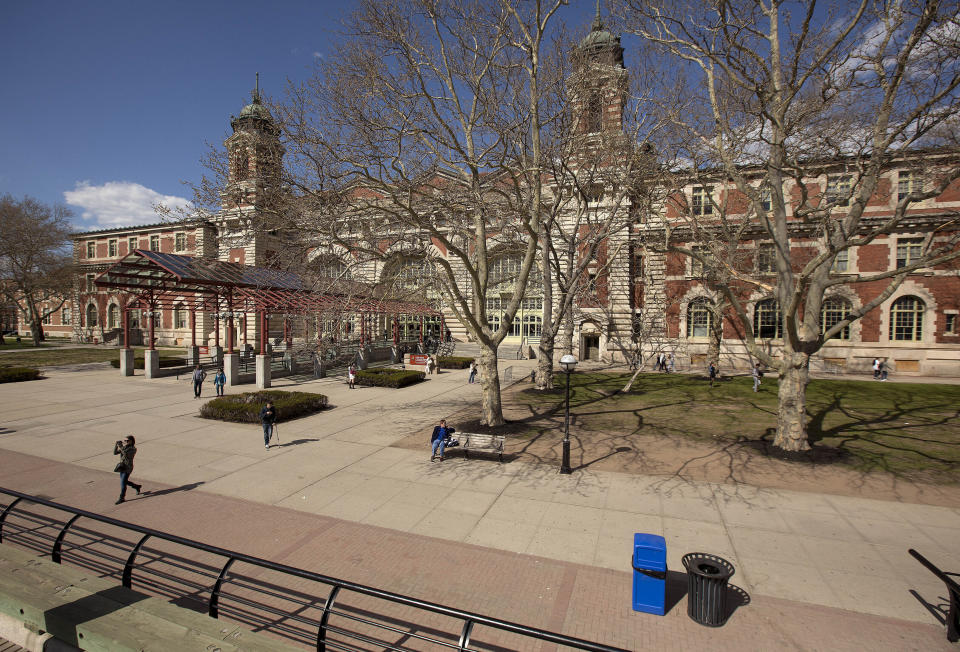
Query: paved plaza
514	540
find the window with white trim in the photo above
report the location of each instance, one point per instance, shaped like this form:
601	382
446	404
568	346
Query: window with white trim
699	318
908	181
835	310
767	322
91	249
766	258
909	251
133	244
841	261
906	319
838	190
702	200
180	241
112	248
154	243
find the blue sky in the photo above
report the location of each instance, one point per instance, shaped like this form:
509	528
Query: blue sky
107	106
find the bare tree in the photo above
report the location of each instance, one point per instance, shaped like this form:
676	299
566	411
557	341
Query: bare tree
421	141
35	263
799	110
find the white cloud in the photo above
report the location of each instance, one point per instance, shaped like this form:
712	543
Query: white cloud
119	203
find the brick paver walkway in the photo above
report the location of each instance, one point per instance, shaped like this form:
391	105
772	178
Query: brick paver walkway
575	599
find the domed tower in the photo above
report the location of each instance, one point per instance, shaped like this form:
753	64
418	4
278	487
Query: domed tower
255	156
600	81
252	196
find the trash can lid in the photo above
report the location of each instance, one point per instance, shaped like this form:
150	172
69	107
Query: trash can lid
649	552
707	565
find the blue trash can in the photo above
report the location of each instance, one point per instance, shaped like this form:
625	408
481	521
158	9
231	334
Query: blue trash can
649	573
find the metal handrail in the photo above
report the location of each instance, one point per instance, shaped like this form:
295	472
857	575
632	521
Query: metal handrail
953	590
337	584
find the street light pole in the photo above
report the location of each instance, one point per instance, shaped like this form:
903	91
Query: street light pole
568	362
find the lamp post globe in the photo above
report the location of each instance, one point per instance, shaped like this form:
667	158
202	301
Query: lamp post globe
567	362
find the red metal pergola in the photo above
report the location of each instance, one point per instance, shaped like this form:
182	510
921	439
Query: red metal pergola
158	280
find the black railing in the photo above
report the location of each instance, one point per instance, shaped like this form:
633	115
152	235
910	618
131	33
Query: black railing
953	591
367	623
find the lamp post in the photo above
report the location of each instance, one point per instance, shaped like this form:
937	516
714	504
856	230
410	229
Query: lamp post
567	362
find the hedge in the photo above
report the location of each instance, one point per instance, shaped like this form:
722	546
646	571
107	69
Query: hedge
165	363
18	374
245	408
389	377
453	362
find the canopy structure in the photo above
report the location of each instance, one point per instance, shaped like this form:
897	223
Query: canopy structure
158	281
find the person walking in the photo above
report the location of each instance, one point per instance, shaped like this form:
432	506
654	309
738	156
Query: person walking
473	372
268	417
126	449
876	368
882	369
429	365
660	362
670	364
351	376
199	375
713	373
219	380
757	375
438	440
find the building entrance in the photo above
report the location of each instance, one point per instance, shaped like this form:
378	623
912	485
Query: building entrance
591	347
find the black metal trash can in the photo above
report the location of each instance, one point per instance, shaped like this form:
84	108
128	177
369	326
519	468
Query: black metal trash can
707	577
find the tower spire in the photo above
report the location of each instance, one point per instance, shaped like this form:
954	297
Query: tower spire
256	90
597	21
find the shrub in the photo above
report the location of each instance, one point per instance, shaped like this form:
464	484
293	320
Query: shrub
453	362
165	363
245	408
18	374
388	377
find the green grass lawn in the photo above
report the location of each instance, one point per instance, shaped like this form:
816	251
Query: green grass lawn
54	356
906	429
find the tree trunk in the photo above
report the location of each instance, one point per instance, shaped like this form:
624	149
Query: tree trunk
491	407
792	413
34	318
567	345
545	360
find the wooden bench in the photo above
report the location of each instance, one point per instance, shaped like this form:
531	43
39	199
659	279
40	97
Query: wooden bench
97	614
470	441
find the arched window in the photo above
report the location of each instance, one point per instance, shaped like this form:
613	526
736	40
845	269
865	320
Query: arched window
91	315
532	325
699	318
113	316
835	310
906	319
767	324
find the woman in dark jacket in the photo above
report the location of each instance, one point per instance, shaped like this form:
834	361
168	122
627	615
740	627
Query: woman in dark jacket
126	449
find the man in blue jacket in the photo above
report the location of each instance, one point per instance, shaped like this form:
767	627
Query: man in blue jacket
439	439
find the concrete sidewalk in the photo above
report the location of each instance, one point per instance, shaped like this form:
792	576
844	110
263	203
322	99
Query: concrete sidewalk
829	553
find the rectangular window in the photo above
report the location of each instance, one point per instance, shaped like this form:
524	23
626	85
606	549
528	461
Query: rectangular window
841	262
697	267
180	242
154	243
766	199
133	243
909	251
838	190
90	285
703	200
111	248
766	258
594	194
65	316
908	181
950	327
91	249
180	318
47	319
